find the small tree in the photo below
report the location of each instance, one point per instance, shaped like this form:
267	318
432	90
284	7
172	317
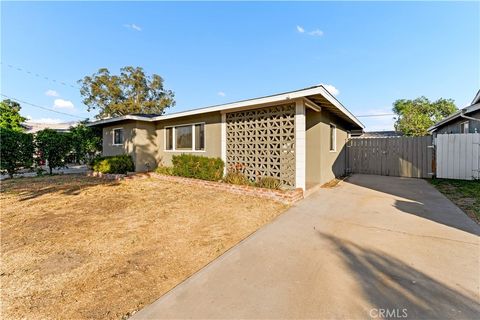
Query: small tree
86	141
53	147
10	117
130	92
416	116
16	150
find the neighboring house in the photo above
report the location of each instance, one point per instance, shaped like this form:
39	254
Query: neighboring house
34	127
466	120
298	137
381	134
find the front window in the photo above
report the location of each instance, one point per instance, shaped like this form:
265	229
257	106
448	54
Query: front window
464	127
333	137
117	136
183	138
189	137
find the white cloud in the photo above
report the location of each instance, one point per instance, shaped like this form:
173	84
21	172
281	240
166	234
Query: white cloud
63	104
221	93
133	26
52	93
316	33
334	91
300	29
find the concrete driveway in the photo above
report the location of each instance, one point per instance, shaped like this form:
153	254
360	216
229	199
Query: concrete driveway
372	247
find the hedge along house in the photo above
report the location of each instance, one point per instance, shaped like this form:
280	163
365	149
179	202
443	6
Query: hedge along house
298	137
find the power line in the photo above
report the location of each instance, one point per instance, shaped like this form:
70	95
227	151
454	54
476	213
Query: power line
43	108
38	75
376	115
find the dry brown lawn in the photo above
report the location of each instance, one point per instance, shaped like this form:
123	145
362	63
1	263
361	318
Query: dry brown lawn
76	247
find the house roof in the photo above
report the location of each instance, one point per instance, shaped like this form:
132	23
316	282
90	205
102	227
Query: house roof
474	107
381	134
318	94
33	127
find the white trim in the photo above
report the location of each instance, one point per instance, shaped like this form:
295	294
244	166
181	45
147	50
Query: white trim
334	137
465	124
300	144
223	141
113	137
278	98
174	143
312	105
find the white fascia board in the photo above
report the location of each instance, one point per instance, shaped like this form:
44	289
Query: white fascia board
283	97
340	106
115	119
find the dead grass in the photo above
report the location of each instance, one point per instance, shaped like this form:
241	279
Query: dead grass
75	247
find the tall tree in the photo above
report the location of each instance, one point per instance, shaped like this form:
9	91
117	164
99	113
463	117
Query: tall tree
130	92
53	147
414	117
10	117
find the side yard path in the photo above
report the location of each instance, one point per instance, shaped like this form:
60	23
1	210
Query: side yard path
465	194
77	247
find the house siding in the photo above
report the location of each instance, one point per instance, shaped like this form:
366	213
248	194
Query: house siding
454	125
322	164
213	134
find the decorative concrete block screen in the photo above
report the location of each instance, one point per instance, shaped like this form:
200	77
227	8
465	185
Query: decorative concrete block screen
263	141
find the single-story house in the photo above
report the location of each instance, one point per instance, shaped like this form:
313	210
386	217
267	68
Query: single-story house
466	120
298	137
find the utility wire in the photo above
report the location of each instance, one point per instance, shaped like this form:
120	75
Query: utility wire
43	108
38	75
376	115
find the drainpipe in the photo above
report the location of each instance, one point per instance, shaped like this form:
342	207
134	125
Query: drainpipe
469	118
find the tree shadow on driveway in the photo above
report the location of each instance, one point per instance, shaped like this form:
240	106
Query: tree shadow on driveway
391	284
419	198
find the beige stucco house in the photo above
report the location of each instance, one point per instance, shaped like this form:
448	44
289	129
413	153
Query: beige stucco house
298	137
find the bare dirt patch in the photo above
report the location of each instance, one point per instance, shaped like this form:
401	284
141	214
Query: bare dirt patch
76	247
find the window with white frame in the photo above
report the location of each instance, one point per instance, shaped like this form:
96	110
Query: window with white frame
118	136
333	137
464	127
188	137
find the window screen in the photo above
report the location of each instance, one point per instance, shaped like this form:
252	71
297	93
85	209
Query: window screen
200	136
183	137
118	136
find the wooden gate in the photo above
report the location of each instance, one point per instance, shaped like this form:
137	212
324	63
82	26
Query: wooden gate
458	156
392	156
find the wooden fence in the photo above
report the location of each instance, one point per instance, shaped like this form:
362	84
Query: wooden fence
458	156
392	156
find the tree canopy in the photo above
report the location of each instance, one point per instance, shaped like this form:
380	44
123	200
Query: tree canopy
414	117
53	147
86	142
10	117
16	150
130	92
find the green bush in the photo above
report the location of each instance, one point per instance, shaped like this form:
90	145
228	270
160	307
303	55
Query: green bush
16	150
164	170
236	177
269	183
198	167
114	164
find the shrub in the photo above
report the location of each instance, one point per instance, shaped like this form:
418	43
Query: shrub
236	177
164	170
269	183
114	164
191	166
16	150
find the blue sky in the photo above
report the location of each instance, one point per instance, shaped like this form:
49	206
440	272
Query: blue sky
209	53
